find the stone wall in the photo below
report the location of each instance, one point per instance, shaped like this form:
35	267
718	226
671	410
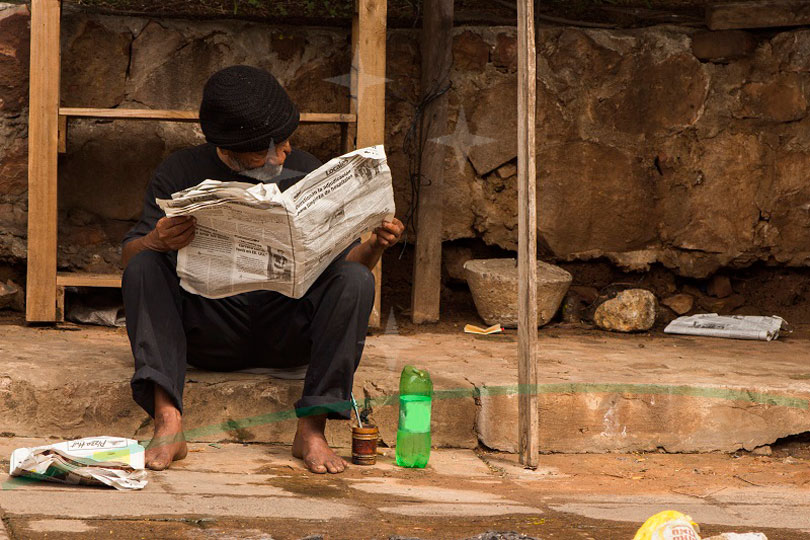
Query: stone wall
659	145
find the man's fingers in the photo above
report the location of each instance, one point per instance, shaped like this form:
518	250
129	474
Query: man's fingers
175	220
387	236
184	239
176	227
395	227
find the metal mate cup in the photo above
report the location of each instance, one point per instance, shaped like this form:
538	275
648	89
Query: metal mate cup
364	445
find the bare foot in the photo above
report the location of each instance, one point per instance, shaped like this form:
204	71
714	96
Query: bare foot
310	445
168	443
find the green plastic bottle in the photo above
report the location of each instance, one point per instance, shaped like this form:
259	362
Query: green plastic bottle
413	435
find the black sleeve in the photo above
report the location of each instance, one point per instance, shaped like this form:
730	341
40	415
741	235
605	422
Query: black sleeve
159	187
299	164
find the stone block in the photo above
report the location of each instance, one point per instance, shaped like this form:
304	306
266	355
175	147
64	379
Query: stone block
497	421
594	199
494	287
488	117
719	286
793	51
14	59
679	303
453	260
505	53
288	45
12	296
507	171
100	155
671	98
780	99
14	169
706	219
722	306
586	293
470	52
95	60
723	46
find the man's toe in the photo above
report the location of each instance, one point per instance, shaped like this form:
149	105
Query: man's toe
157	465
317	468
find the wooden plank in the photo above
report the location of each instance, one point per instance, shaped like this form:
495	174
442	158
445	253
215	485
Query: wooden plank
185	116
70	279
758	14
529	414
437	58
43	134
368	91
62	144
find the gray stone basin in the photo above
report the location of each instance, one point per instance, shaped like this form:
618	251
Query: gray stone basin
494	286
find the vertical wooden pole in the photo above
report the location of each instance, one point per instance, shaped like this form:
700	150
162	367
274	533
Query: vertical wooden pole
43	133
529	420
437	58
368	90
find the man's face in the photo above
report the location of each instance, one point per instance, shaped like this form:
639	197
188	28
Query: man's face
263	165
254	160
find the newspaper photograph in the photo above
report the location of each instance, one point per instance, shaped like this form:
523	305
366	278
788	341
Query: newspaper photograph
93	461
254	237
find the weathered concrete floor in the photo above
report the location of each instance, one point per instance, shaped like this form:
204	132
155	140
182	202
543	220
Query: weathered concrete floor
257	491
599	392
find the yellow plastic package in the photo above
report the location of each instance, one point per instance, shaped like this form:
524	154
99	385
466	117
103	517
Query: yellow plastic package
668	525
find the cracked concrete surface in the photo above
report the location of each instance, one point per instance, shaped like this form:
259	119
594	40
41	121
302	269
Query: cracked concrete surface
599	392
259	491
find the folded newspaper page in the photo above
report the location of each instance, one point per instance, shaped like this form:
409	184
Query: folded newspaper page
735	327
252	236
92	461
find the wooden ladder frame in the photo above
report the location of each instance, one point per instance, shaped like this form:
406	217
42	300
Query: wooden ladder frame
47	136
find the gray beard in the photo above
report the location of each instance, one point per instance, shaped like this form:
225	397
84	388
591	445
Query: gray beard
265	173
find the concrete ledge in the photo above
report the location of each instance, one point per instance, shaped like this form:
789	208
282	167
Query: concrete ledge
599	392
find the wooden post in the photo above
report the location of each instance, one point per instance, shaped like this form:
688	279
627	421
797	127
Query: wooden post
43	132
437	58
529	421
368	90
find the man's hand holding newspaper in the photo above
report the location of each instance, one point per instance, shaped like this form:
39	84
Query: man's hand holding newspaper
251	236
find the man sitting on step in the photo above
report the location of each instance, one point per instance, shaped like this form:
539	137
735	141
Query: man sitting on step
247	119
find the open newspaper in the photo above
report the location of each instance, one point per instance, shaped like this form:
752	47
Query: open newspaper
110	461
253	236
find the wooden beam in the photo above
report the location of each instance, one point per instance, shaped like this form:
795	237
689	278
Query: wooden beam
368	91
43	135
185	116
758	14
529	420
70	279
437	59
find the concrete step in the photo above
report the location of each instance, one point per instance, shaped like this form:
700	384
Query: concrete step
599	392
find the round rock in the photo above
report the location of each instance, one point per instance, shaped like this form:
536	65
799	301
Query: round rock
632	310
494	287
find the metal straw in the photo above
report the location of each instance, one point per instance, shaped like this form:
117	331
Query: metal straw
357	412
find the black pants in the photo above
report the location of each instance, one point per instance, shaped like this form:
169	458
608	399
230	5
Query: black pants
169	326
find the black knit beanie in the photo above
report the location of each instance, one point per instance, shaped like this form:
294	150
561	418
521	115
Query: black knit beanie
245	108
